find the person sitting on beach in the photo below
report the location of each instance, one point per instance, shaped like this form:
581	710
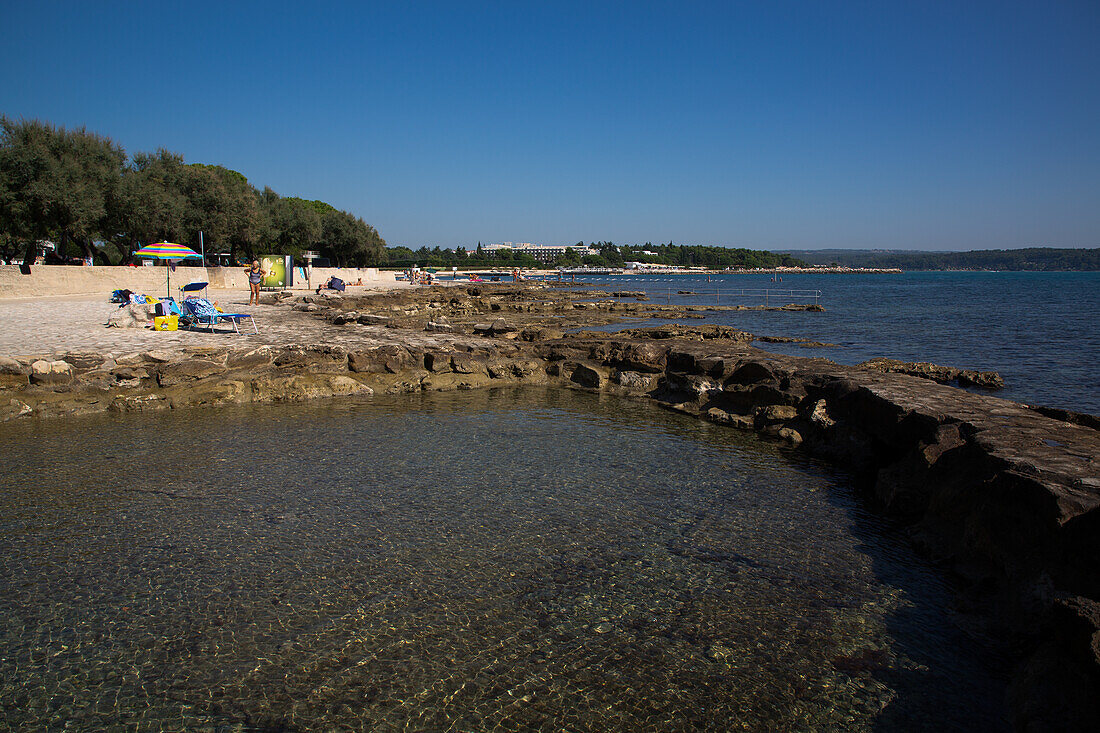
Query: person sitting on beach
333	283
255	277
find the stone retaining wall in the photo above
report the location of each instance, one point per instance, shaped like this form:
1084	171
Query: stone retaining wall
46	280
236	278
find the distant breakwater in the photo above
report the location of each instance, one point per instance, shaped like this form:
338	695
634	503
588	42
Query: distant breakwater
1005	496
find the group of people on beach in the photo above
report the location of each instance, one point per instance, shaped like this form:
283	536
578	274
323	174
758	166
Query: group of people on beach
418	277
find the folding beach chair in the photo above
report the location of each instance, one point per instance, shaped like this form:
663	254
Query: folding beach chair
201	312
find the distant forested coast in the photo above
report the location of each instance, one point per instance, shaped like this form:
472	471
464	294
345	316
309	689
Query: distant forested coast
1048	259
597	254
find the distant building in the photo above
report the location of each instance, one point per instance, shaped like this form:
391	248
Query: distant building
541	252
646	266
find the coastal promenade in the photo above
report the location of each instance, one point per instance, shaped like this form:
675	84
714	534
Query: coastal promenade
1003	495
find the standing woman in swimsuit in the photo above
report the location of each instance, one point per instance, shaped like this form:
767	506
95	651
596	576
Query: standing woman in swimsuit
255	276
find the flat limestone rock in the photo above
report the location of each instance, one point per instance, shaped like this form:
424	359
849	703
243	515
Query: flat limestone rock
13	373
51	372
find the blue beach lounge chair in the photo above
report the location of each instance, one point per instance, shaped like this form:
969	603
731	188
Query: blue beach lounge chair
201	312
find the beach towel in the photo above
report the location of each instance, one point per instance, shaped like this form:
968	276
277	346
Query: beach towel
201	308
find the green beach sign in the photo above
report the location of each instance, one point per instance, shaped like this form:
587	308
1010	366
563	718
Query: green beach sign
278	271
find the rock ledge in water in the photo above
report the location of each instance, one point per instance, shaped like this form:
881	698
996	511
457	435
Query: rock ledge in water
935	372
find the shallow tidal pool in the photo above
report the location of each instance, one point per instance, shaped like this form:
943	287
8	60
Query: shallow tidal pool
490	560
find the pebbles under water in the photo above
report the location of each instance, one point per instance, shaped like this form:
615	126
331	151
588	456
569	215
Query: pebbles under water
495	560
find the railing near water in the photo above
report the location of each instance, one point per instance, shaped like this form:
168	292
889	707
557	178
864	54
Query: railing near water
766	293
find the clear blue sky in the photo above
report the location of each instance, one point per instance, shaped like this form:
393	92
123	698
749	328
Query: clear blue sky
918	125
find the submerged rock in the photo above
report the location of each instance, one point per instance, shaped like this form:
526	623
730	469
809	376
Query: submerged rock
805	343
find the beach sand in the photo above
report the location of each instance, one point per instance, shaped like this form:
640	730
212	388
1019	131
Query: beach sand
53	326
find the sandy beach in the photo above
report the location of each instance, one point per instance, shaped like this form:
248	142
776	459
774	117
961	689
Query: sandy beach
54	326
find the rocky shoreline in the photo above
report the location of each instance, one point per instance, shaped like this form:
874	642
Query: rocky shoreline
1004	496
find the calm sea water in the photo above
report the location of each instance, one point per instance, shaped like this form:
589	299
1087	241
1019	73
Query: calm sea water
497	560
1040	330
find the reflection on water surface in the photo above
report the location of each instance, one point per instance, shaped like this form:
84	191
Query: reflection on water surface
507	560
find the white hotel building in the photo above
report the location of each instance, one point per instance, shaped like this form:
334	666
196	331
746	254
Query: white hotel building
541	252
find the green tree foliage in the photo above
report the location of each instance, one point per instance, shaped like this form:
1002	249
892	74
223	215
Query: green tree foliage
55	183
75	186
1031	258
294	224
608	255
459	257
151	205
297	225
611	254
571	257
223	206
400	254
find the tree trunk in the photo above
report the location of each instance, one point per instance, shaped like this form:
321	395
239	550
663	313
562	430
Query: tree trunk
30	252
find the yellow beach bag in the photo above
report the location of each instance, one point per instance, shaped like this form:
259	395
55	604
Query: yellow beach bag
166	323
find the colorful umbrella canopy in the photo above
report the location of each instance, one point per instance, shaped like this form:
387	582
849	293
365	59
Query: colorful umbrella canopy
167	251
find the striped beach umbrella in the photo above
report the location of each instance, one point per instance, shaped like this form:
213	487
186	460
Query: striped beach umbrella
167	251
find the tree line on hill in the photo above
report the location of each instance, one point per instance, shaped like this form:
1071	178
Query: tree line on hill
596	254
459	257
1033	258
714	258
81	191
